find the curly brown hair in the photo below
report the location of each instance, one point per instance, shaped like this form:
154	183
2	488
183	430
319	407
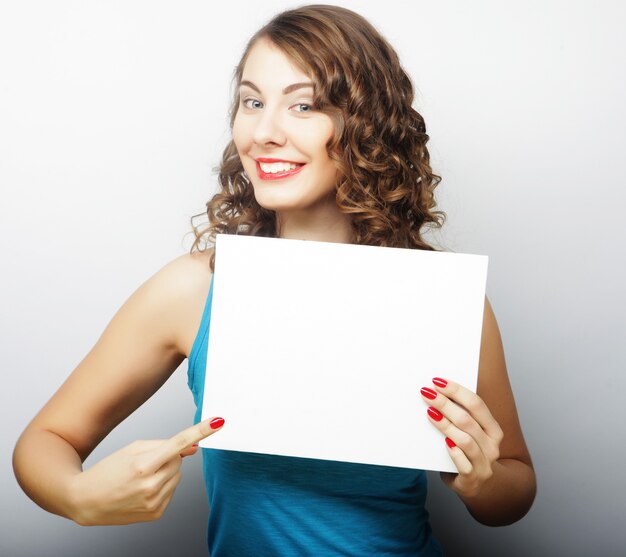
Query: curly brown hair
386	183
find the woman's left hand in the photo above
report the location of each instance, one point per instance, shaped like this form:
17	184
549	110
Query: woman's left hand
473	436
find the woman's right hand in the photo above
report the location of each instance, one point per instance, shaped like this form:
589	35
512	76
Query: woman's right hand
136	483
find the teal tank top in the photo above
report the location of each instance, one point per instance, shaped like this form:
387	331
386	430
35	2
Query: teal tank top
267	505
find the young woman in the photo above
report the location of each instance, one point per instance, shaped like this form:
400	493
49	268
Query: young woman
327	147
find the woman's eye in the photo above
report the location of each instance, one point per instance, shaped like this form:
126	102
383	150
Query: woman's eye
307	107
247	103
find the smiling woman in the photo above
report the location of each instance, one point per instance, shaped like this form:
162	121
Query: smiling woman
283	149
325	146
384	183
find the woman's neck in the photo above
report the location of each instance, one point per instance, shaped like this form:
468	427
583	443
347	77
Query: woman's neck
328	224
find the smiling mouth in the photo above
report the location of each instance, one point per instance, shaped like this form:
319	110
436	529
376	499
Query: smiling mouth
276	171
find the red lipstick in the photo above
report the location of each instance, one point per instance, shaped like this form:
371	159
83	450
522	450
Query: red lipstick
268	160
276	175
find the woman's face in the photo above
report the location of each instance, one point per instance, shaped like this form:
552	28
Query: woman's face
280	137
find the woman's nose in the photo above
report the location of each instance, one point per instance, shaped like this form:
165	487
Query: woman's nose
268	129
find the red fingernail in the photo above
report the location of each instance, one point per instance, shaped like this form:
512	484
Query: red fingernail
216	423
450	443
194	445
434	414
439	382
428	393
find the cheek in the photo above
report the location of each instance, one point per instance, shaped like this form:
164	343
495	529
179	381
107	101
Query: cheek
328	133
239	134
313	138
332	175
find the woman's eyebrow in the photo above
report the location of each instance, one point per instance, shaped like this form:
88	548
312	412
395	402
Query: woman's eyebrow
286	90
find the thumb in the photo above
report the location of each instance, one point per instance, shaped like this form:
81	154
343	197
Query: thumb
189	451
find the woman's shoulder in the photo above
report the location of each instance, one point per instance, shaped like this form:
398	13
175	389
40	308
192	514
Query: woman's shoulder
186	276
187	271
181	288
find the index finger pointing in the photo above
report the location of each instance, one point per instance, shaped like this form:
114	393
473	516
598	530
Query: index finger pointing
175	445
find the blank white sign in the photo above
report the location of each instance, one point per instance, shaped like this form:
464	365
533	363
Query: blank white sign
320	349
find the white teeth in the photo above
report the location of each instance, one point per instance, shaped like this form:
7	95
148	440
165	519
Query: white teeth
275	167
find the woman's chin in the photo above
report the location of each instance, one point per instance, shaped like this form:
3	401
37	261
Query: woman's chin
285	200
278	203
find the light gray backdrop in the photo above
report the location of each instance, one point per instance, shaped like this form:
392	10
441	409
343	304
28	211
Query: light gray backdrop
112	115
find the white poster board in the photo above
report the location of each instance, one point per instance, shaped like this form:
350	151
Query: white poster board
319	349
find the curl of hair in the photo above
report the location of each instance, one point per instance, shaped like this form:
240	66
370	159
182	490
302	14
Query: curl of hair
386	183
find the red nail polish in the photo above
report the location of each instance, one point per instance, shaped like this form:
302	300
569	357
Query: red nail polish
450	443
428	393
434	414
216	423
440	382
194	445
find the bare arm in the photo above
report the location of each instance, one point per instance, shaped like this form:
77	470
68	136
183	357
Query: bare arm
496	480
143	344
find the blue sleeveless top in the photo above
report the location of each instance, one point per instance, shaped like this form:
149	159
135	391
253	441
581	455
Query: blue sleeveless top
281	506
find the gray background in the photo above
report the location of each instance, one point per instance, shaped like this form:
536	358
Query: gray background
112	115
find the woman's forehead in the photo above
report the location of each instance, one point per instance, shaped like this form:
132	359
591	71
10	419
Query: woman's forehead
266	61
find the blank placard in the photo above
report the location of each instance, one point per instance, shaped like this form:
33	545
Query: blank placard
320	349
